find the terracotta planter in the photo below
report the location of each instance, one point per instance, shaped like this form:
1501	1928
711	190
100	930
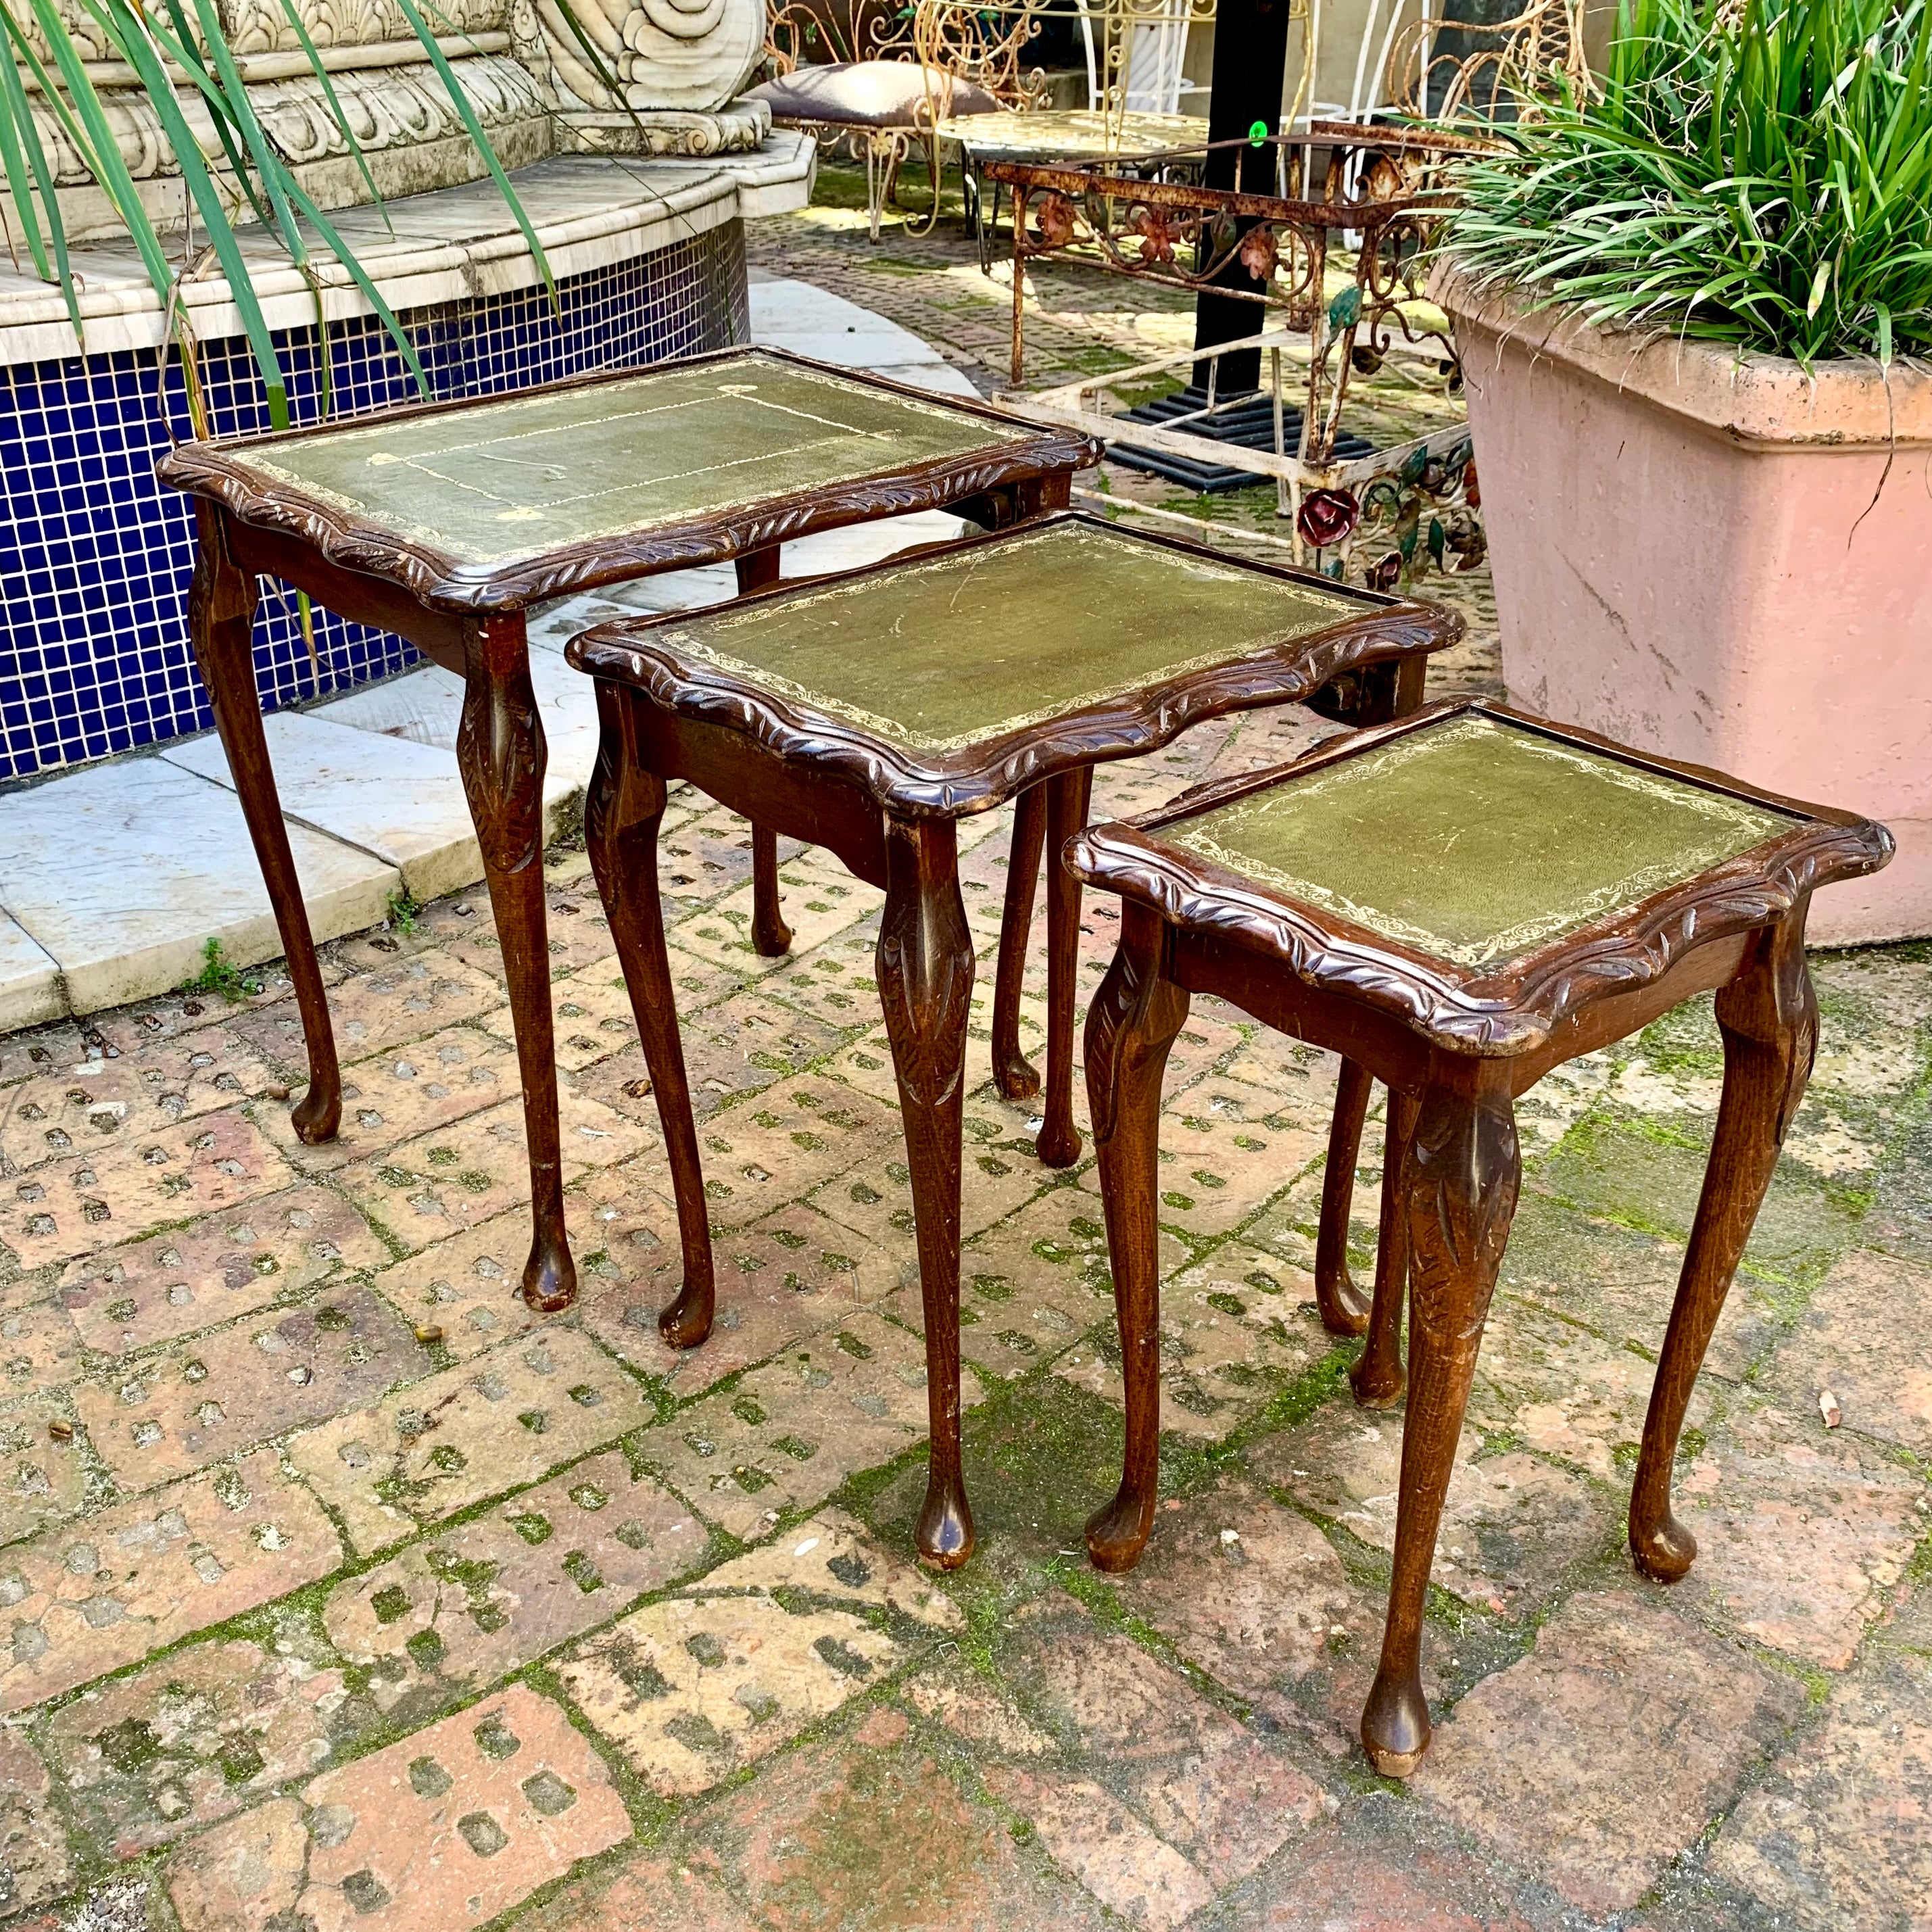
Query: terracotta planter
1707	556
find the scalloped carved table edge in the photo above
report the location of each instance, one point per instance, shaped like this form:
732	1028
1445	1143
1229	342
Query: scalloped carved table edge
1455	1042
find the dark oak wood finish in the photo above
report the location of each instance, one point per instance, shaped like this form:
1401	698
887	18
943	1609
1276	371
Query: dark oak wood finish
622	814
470	619
1377	1375
889	814
1456	1047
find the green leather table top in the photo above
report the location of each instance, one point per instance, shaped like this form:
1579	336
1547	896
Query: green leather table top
1474	841
963	646
506	480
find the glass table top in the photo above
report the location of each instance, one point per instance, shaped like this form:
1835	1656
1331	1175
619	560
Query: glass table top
508	480
961	646
1475	840
1071	134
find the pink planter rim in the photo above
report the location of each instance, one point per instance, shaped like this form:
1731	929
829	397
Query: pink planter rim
1752	399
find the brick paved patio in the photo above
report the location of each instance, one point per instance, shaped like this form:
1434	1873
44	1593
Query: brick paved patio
336	1591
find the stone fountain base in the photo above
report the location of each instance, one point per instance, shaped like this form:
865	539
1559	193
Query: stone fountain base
649	259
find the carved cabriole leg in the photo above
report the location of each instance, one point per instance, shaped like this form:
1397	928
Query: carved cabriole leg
1015	1076
1374	695
771	938
1377	1376
1769	1016
1130	1027
620	822
924	964
1345	1309
1066	799
1463	1172
500	751
221	619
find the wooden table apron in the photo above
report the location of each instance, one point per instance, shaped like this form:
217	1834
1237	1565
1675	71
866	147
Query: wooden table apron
500	749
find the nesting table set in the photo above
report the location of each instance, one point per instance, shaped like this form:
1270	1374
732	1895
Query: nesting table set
1455	899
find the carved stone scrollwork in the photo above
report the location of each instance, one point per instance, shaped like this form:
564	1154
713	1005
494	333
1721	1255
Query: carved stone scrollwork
392	109
670	133
89	37
260	26
688	54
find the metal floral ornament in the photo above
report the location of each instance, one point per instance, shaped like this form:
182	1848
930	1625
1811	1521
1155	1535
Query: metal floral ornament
1261	253
1054	221
1158	235
1326	516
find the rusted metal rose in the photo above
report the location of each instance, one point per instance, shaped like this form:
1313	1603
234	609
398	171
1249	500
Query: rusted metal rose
1328	517
1054	221
1261	253
1385	573
1464	542
1471	494
1385	182
1158	235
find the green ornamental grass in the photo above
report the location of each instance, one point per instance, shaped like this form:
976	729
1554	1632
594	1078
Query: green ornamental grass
1759	174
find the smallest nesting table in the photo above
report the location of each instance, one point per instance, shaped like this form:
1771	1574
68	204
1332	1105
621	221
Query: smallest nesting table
1458	903
868	713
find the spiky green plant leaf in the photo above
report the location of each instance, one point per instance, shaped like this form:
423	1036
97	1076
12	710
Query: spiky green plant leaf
193	50
1759	174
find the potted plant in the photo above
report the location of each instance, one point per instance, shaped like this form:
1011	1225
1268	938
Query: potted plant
1691	301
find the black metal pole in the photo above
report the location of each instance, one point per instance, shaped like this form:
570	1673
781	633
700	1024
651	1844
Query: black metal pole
1250	57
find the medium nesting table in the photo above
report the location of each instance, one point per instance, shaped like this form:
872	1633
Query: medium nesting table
868	713
1458	903
445	523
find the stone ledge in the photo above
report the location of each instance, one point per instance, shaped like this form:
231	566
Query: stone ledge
665	132
114	877
453	243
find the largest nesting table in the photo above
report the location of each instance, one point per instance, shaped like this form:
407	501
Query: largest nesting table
446	522
868	713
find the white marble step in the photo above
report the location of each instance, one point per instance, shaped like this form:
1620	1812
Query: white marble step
813	322
30	991
121	873
114	877
400	802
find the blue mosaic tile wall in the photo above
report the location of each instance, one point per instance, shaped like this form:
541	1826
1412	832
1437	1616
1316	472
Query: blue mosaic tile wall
95	556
